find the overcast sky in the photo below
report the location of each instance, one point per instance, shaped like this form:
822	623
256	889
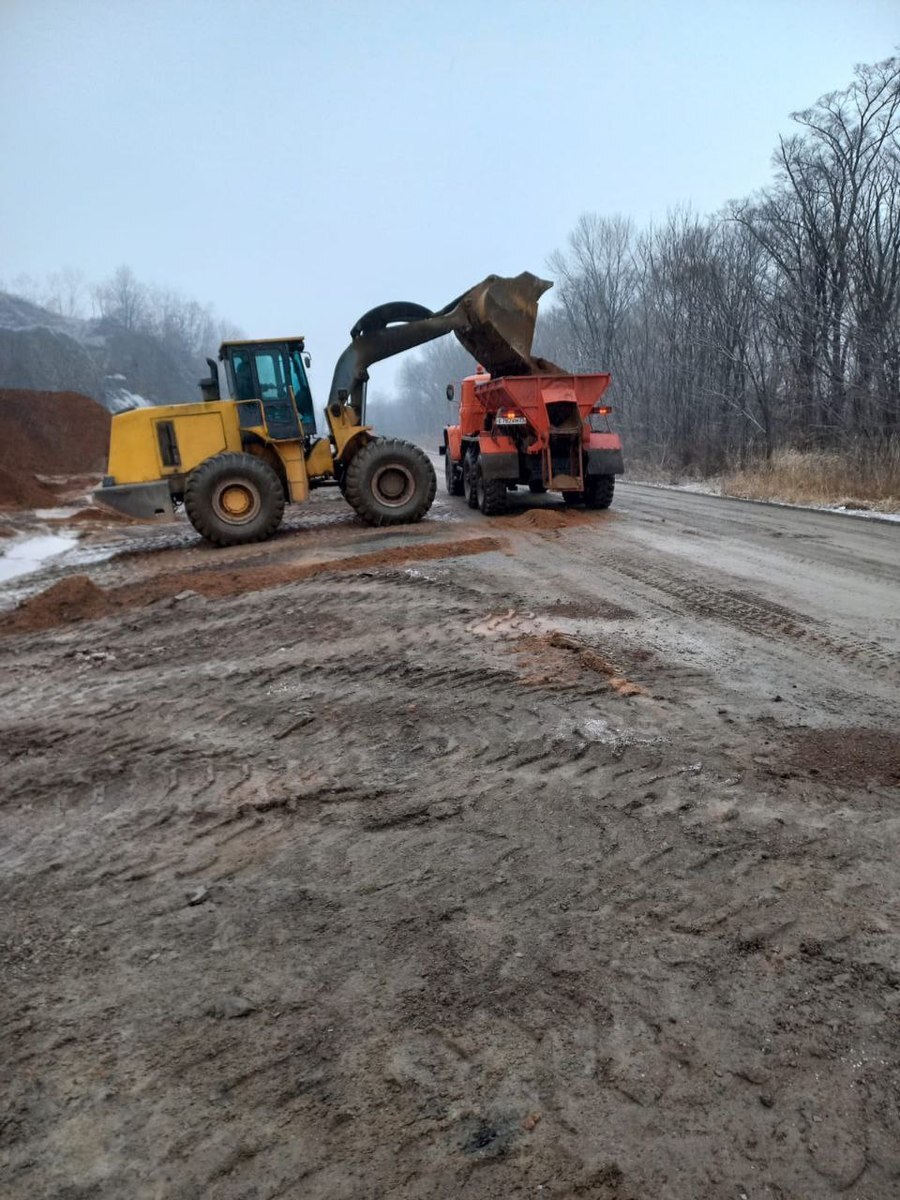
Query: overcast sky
298	162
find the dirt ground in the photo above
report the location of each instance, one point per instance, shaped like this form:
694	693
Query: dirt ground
550	856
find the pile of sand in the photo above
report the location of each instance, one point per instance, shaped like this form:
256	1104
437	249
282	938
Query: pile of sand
75	598
47	433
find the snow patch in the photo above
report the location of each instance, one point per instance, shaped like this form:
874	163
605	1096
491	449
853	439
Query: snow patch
117	398
713	489
29	554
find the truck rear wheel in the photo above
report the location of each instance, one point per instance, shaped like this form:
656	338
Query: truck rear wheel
598	490
452	475
491	493
232	499
390	482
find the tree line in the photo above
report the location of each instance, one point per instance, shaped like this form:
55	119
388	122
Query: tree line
773	323
186	325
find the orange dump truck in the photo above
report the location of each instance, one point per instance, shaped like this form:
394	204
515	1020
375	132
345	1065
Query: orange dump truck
550	432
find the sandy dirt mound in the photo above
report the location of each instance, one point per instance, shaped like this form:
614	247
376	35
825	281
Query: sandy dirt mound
75	598
20	489
47	433
558	660
101	516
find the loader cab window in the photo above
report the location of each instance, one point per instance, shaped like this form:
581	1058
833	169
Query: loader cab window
244	387
271	374
271	377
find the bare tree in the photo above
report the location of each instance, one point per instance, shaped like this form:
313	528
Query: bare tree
123	299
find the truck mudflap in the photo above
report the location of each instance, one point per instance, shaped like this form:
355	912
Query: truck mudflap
500	465
144	501
604	462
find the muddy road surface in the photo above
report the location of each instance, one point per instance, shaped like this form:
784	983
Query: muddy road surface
553	856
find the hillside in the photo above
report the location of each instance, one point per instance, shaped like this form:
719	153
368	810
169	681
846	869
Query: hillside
118	367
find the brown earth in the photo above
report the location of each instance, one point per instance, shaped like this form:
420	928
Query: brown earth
337	867
76	597
47	433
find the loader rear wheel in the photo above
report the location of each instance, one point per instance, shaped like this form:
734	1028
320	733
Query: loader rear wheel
232	499
470	463
452	475
390	482
598	490
491	493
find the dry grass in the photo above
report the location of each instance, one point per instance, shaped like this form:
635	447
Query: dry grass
861	476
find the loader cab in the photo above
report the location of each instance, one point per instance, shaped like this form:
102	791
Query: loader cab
268	380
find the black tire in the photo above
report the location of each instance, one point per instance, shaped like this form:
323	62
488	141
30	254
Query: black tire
598	490
452	475
470	464
573	498
233	499
490	493
390	482
537	487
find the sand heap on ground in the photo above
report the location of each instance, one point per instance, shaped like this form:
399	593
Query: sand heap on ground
47	433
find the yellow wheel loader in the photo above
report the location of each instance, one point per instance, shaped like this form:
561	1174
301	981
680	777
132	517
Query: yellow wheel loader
234	462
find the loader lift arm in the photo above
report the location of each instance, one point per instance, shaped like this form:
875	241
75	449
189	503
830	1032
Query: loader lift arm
494	321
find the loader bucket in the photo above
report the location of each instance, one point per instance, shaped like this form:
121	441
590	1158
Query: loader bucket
499	331
494	320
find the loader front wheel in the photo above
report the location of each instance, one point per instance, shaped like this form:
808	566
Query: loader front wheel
232	499
598	490
390	482
491	493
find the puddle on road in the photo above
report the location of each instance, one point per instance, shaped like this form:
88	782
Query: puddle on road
54	514
28	555
21	562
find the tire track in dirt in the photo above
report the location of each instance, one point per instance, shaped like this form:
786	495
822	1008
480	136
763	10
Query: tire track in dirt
449	925
754	615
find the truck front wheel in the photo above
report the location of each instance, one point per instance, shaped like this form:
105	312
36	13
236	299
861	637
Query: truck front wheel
232	499
452	475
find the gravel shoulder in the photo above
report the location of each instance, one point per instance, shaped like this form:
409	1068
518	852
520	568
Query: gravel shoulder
551	855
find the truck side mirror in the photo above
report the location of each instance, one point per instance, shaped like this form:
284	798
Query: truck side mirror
450	391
